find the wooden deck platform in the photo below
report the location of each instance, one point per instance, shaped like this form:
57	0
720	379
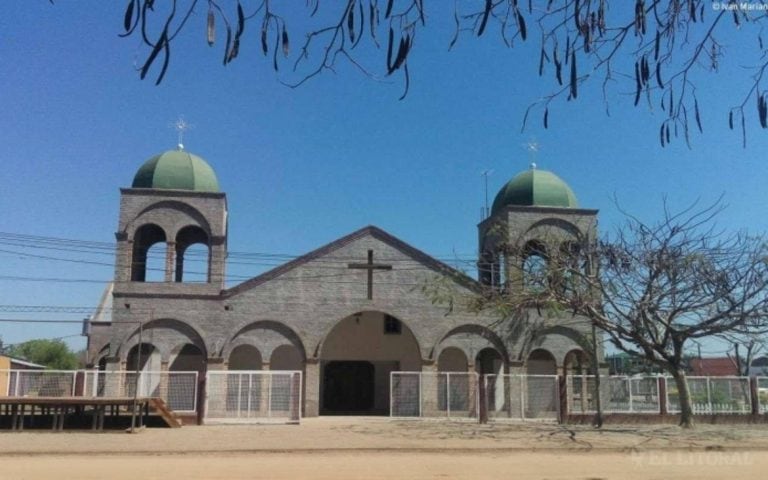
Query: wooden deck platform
20	409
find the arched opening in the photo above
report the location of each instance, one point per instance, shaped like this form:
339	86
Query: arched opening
187	358
535	266
149	254
541	362
145	360
541	391
193	255
453	381
357	357
143	357
570	266
576	363
244	357
286	357
489	361
452	359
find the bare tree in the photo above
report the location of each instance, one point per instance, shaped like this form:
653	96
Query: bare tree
746	348
653	289
655	52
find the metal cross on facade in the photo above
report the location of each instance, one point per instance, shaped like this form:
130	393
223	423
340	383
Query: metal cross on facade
370	267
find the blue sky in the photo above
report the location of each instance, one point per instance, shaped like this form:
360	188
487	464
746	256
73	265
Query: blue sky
302	167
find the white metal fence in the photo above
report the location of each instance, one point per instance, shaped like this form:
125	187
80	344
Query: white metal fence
712	395
39	383
177	389
762	394
618	394
253	396
433	395
522	397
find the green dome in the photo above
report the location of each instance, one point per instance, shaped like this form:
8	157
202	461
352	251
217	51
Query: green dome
176	170
537	188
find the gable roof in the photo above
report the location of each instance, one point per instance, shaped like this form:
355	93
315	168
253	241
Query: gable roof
372	231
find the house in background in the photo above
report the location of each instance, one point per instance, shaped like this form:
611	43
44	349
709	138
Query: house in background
10	363
759	367
713	367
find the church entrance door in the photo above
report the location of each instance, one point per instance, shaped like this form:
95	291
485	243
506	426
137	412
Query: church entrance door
349	387
356	359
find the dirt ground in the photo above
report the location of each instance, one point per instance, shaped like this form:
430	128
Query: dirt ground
352	448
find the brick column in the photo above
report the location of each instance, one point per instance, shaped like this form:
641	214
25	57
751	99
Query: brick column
312	387
473	381
164	380
265	391
429	388
170	260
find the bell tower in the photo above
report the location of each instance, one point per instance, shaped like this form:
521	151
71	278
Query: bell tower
535	218
172	230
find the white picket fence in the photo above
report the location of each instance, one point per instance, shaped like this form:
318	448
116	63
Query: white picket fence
711	395
618	394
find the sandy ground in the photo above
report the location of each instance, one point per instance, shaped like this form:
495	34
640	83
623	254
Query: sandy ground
350	448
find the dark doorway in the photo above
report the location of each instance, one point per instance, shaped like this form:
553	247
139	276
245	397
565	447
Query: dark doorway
348	387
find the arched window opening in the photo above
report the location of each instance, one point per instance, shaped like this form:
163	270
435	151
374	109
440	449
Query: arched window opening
488	361
193	255
535	266
453	380
244	357
541	362
149	253
189	358
570	266
143	357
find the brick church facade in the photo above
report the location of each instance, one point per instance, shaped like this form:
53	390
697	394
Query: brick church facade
346	314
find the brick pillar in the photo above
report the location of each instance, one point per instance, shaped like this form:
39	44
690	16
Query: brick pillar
474	403
170	260
163	385
429	387
312	387
265	391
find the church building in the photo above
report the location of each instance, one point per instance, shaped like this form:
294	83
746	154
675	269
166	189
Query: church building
346	314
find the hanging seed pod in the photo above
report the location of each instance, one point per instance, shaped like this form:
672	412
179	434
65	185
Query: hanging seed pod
264	46
546	118
128	18
286	44
730	119
658	75
521	26
697	115
211	30
351	22
574	89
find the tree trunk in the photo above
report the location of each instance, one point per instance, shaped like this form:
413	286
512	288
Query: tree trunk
684	395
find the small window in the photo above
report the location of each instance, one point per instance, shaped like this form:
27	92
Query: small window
392	325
